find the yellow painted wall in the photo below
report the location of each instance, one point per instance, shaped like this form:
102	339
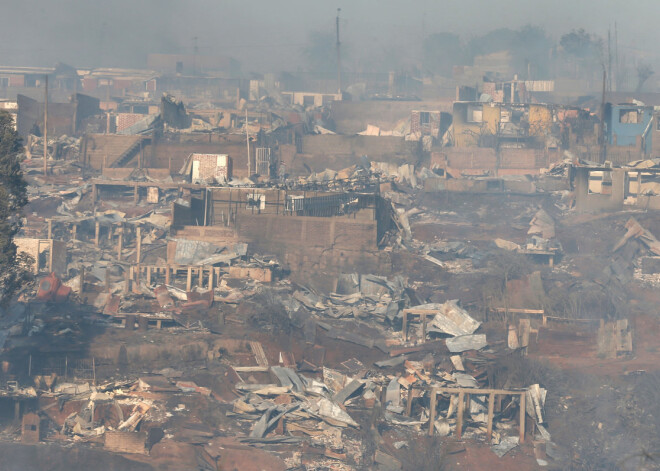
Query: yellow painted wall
540	120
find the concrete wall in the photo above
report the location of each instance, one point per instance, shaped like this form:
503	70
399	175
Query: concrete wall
102	150
63	118
122	173
173	150
48	254
490	185
595	202
487	161
467	129
353	117
648	202
465	160
337	152
329	144
31	112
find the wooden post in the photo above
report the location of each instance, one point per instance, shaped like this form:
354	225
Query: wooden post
459	415
148	275
405	326
95	193
51	255
409	402
189	279
423	328
167	275
489	425
28	148
120	242
82	280
139	244
211	278
97	232
522	416
135	194
74	231
127	282
434	399
50	228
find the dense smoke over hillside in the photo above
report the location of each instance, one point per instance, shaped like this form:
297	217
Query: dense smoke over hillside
270	36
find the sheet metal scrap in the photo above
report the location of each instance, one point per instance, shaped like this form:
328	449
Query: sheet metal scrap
451	319
635	230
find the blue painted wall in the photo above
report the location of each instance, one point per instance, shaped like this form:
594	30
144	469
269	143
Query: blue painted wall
626	133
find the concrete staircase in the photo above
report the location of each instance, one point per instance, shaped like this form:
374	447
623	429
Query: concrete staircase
110	150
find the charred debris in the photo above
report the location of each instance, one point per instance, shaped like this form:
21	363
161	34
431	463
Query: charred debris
284	280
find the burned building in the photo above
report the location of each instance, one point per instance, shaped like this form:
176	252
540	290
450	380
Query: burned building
309	230
63	118
628	132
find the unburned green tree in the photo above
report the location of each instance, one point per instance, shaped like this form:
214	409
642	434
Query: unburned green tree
13	197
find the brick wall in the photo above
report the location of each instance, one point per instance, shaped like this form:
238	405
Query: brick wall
519	158
213	167
125	442
126	120
272	231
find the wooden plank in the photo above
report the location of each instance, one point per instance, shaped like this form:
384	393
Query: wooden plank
252	369
405	326
434	401
259	353
522	417
459	414
520	311
409	402
479	392
489	424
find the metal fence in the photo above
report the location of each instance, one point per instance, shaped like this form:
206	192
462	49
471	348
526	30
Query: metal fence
63	367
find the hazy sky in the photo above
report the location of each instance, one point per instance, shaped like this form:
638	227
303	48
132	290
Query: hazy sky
269	34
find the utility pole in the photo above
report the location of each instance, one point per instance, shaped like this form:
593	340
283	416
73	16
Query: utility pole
338	56
195	51
46	128
247	140
602	137
609	61
616	59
